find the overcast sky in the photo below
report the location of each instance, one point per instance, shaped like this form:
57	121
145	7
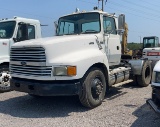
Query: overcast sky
142	16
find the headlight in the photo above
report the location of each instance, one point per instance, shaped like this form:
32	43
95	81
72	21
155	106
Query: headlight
157	77
65	71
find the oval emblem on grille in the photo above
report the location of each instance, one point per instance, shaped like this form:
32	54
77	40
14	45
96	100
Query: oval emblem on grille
23	63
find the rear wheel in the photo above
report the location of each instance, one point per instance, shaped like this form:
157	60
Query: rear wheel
4	78
93	88
144	79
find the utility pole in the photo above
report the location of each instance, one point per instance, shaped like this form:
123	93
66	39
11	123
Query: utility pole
140	39
95	8
102	4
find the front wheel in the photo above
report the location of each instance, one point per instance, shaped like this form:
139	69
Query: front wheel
93	88
4	79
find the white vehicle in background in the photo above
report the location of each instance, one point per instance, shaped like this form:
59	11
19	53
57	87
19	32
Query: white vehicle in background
154	102
12	31
151	49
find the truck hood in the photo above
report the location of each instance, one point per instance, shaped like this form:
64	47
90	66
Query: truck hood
55	39
64	49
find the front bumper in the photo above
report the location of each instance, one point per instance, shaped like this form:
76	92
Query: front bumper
46	88
153	106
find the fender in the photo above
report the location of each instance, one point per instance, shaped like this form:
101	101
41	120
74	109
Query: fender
136	66
83	59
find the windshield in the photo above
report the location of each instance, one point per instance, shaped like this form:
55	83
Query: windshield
150	43
79	24
7	29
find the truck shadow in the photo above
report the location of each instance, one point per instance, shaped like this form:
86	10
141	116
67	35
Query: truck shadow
30	107
132	85
115	92
145	117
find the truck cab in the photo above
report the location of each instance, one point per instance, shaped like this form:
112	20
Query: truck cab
13	31
151	49
103	26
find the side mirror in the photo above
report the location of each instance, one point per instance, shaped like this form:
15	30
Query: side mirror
15	39
56	27
121	21
22	32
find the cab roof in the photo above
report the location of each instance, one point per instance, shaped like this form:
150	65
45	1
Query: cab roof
94	11
20	19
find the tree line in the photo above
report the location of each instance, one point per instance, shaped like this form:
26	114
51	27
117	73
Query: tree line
134	46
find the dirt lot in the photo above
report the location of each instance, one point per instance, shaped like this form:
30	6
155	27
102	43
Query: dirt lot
123	107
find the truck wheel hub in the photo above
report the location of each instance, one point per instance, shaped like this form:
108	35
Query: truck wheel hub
96	88
4	79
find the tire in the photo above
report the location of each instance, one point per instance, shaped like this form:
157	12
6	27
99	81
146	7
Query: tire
93	88
145	79
4	79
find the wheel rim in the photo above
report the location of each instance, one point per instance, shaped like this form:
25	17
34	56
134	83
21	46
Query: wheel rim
5	79
96	88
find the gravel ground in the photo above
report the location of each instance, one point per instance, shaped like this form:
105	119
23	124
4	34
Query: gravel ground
123	107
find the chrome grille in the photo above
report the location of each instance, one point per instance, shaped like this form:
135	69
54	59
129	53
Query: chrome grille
34	59
29	54
30	70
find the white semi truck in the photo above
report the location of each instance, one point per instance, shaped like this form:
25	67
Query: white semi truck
13	31
84	59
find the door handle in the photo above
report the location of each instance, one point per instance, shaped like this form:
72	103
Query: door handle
117	47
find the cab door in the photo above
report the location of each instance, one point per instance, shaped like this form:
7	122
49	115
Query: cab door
112	41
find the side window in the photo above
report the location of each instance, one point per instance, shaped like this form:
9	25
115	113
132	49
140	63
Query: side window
66	28
3	33
109	25
156	42
31	32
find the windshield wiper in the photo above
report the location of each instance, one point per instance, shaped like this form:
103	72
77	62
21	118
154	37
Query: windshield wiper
70	34
89	31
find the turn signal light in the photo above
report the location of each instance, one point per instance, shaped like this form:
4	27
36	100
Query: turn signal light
71	70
